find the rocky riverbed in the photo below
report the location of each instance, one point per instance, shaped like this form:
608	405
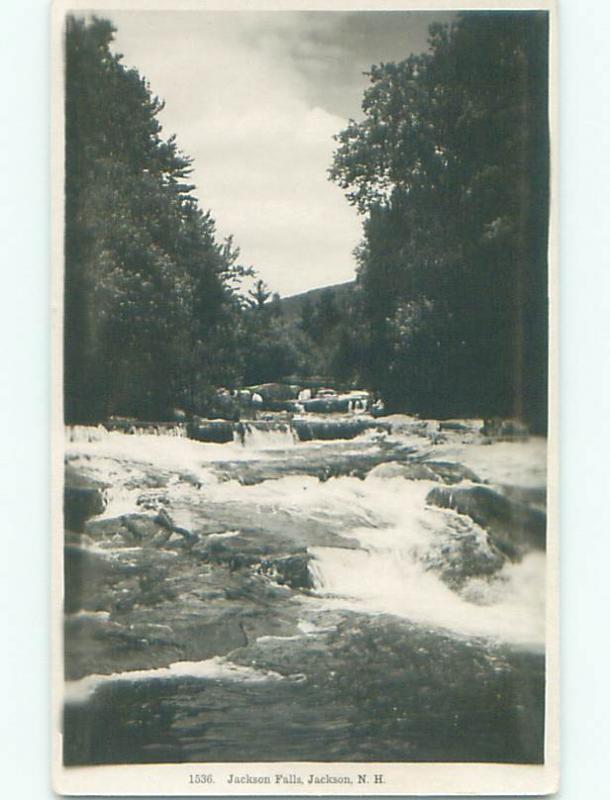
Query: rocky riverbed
283	598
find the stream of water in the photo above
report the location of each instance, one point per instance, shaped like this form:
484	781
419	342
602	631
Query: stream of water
309	601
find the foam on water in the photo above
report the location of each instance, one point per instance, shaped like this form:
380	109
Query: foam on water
278	437
213	669
390	582
387	516
388	573
85	614
225	535
163	451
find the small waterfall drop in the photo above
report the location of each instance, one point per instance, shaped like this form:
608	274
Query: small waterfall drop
265	435
390	573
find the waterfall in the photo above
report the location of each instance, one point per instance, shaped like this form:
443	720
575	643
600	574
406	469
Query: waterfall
84	433
98	433
509	608
390	572
265	435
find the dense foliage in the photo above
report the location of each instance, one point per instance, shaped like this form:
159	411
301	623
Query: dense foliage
450	167
152	313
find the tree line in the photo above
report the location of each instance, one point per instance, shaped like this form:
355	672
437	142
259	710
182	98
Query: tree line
450	169
155	314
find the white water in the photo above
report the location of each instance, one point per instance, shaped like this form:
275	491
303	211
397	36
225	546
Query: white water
387	516
272	438
388	574
390	581
213	669
396	530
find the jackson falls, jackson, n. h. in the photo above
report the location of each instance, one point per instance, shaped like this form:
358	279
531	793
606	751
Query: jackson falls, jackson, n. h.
305	392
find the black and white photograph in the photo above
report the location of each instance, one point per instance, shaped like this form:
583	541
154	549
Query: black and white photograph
305	418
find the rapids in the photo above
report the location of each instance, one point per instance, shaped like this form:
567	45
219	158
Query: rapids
305	586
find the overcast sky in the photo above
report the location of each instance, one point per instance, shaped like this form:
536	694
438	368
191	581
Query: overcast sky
255	98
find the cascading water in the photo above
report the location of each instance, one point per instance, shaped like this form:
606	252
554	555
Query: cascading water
265	436
96	433
312	560
84	433
390	571
507	609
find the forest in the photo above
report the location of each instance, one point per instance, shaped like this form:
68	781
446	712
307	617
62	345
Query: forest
448	168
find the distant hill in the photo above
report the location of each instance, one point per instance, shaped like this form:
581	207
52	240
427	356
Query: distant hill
291	306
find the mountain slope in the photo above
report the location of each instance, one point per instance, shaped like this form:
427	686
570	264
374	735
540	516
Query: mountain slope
292	305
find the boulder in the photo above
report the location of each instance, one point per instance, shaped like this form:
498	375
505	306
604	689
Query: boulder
346	428
131	528
462	552
290	570
274	392
327	405
83	498
513	527
140	529
217	431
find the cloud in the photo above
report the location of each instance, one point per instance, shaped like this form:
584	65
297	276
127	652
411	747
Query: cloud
240	107
255	98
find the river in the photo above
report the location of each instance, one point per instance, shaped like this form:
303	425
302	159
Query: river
379	598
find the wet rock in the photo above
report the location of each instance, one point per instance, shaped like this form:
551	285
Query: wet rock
151	479
409	426
348	428
534	496
166	522
450	472
84	498
102	645
153	501
217	431
505	429
324	465
439	471
140	529
236	552
84	574
415	471
106	528
462	553
275	391
514	528
452	425
290	571
153	585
